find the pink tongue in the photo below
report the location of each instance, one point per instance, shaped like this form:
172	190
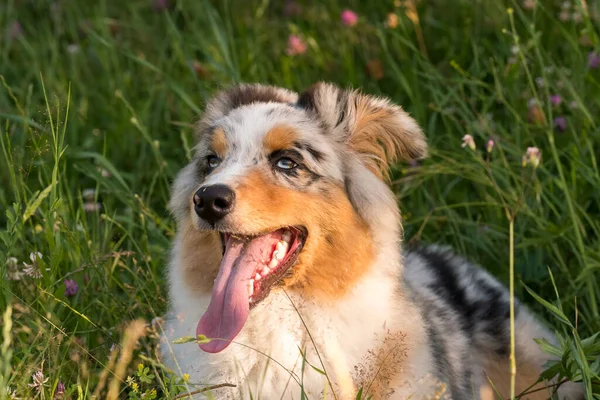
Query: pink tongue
229	305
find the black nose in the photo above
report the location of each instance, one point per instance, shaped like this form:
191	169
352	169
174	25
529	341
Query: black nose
214	202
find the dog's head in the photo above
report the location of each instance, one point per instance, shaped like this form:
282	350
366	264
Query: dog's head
287	190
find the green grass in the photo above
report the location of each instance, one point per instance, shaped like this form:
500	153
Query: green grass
102	95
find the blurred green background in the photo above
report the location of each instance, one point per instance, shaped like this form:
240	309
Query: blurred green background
87	164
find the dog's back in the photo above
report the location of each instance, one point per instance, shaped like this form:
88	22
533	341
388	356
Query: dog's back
467	314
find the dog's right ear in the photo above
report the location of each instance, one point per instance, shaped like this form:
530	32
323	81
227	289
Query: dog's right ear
378	131
240	95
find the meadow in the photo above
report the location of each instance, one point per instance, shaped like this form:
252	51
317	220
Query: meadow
97	108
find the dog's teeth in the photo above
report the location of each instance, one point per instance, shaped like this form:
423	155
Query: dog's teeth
257	276
282	248
287	236
250	287
266	271
272	264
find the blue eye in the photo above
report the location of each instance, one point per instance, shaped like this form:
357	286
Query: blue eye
212	162
286	164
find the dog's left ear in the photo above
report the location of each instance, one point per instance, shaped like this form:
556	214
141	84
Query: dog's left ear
379	131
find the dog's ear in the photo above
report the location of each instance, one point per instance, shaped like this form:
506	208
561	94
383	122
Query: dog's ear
379	131
240	95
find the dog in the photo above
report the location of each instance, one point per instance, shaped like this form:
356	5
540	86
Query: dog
288	265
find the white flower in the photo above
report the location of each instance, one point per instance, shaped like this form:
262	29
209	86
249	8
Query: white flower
33	269
12	394
38	380
89	194
467	140
13	272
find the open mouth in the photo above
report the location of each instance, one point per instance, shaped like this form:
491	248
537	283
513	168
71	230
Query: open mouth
250	268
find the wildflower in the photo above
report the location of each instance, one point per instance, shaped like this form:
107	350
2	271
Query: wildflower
13	273
71	287
490	145
295	46
292	9
529	4
91	207
105	173
467	140
532	156
33	269
60	391
11	394
73	48
560	124
201	71
186	377
160	5
539	81
15	31
391	20
375	69
89	194
593	60
38	381
535	113
573	104
349	18
564	15
555	100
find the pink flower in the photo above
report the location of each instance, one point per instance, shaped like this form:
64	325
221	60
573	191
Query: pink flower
295	46
555	100
467	140
60	391
490	145
92	207
38	381
594	60
532	156
71	287
560	124
349	17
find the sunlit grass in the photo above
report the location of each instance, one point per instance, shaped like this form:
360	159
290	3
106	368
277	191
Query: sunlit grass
97	105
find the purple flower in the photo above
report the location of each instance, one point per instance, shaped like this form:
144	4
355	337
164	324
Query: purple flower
560	123
555	100
594	60
291	8
160	5
15	30
71	287
349	17
60	391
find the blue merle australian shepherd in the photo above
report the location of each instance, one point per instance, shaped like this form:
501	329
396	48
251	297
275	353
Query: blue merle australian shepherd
288	258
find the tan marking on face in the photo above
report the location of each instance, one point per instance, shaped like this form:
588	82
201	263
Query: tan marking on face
339	248
219	142
280	137
200	258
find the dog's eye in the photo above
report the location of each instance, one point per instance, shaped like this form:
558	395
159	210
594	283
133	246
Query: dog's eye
212	162
286	164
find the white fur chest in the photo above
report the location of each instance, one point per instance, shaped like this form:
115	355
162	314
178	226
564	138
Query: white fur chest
274	355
